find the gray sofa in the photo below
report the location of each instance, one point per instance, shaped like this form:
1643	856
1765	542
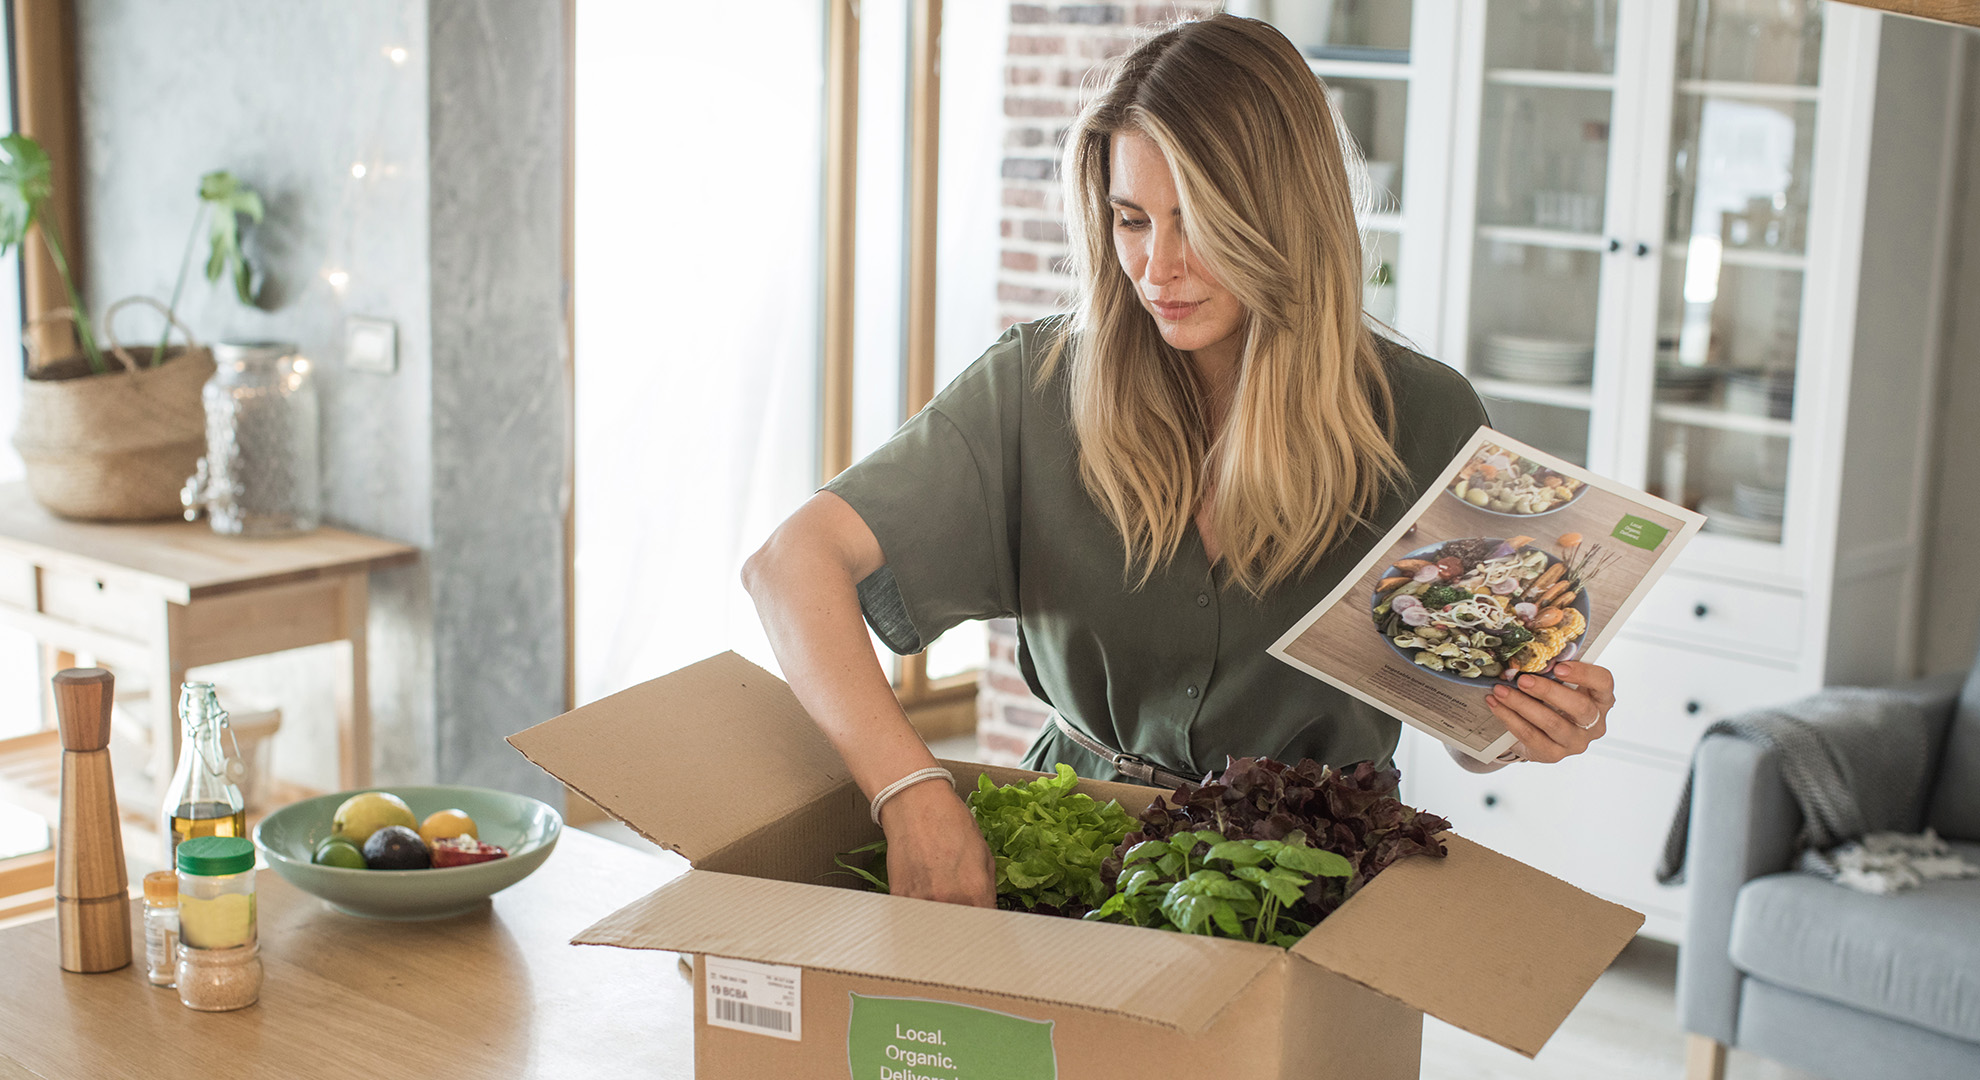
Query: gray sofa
1797	969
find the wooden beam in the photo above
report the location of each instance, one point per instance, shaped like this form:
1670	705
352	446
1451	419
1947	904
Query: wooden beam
841	194
46	110
924	173
1956	12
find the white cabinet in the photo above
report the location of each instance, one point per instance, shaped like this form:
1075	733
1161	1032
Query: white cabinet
1695	245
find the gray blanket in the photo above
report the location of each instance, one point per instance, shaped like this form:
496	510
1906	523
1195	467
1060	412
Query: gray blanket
1852	759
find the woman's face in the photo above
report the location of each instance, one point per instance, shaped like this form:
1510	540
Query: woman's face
1190	308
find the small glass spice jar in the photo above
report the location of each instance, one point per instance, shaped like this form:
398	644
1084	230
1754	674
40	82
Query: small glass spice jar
161	927
219	948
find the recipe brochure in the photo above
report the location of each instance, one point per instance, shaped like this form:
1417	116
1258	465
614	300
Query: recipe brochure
1512	562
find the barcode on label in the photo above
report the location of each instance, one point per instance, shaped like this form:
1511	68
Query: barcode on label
762	999
742	1012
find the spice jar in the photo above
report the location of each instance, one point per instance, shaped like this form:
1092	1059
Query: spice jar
161	927
219	951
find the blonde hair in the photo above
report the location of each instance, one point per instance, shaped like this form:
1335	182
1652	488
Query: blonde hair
1268	196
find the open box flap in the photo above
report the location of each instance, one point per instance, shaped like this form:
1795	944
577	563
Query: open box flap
1477	940
667	757
1175	980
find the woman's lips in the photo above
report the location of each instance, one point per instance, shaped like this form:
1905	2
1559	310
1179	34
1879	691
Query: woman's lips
1174	312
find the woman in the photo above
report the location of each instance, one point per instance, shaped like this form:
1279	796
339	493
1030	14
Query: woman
1155	486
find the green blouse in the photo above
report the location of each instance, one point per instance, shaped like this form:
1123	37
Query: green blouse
980	513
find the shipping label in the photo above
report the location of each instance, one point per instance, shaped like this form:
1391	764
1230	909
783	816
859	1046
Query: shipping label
765	999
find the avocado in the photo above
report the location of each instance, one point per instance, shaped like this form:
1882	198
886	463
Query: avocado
395	847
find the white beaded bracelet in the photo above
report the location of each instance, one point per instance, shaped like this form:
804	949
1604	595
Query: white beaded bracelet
906	782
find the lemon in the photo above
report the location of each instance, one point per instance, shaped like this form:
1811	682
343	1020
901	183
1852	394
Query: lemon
364	814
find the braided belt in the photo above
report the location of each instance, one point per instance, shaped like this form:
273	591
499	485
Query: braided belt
1132	766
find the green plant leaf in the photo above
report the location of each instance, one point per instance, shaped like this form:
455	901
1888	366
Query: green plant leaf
1227	920
1285	886
1314	861
229	200
1238	852
26	183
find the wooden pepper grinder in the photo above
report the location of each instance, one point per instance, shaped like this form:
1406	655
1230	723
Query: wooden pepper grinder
92	899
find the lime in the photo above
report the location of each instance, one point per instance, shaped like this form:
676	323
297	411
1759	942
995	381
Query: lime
336	851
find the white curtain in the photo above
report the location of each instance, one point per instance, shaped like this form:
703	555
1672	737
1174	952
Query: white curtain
699	150
20	666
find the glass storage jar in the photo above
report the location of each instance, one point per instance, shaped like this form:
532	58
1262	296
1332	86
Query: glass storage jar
219	946
262	473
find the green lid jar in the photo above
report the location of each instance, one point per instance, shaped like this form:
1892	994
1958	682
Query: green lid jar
215	856
216	892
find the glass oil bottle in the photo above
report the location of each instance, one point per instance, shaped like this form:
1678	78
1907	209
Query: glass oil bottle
203	798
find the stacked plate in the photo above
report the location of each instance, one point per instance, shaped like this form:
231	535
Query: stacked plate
1536	359
1678	383
1725	518
1762	502
1758	392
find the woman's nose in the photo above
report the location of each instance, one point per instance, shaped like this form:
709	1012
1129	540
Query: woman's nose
1168	257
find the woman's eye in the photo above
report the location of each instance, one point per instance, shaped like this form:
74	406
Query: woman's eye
1130	223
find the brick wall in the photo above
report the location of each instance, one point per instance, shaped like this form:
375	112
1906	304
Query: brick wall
1052	57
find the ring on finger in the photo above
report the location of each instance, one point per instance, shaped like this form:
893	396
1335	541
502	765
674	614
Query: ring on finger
1591	724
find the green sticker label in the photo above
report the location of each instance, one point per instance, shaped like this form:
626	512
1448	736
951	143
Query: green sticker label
913	1039
1637	532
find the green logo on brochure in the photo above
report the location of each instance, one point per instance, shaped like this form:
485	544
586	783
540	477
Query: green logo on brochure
1636	532
913	1039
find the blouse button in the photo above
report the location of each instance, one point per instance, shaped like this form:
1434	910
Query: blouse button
1202	599
1191	690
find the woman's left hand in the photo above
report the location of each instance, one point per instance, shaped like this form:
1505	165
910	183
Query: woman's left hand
1554	720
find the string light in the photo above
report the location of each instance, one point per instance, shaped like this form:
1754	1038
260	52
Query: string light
357	170
337	279
396	53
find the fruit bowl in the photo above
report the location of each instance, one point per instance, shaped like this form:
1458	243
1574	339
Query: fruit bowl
526	827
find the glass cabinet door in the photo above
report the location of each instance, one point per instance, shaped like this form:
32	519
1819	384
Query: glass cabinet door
1361	50
1543	186
1731	280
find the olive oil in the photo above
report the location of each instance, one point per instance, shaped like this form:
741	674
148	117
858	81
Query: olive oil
203	799
207	819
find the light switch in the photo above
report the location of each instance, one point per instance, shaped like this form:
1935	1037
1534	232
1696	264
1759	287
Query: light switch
371	345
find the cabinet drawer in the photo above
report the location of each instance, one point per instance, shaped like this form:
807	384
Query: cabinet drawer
97	604
1596	821
16	581
1666	696
1747	618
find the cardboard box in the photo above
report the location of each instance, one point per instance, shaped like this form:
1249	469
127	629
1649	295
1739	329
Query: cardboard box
811	977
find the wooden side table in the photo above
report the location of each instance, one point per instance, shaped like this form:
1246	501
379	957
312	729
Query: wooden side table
163	597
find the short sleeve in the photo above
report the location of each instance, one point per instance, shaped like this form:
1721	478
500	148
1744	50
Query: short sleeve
940	497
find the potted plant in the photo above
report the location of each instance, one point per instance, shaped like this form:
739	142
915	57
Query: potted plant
111	434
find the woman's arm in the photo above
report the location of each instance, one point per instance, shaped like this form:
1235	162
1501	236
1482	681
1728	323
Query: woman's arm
804	581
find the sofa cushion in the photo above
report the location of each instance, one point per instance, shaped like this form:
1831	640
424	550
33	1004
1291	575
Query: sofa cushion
1912	956
1955	807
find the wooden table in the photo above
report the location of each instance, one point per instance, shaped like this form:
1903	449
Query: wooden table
496	993
163	597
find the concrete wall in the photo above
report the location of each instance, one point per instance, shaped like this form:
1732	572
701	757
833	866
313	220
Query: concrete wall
1950	614
451	232
497	123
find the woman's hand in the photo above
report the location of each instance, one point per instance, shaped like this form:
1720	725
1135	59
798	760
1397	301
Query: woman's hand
934	849
1555	720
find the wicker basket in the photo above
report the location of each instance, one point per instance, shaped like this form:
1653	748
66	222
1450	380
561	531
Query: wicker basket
118	446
